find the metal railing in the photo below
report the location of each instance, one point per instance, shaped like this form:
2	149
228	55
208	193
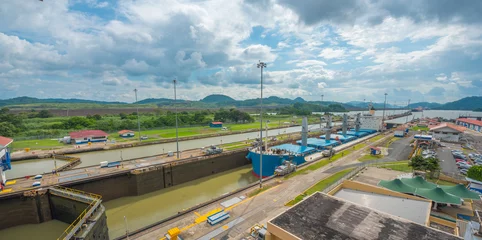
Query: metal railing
93	200
347	176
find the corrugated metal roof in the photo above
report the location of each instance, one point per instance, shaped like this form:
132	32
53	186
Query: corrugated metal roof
4	141
471	121
125	131
449	125
217	122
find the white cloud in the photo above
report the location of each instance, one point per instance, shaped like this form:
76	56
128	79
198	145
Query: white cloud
306	63
441	77
330	53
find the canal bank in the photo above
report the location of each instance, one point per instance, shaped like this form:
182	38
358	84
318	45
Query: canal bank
41	166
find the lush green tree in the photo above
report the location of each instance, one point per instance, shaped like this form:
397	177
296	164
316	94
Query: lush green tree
4	110
44	114
7	129
78	123
432	165
418	163
122	116
475	172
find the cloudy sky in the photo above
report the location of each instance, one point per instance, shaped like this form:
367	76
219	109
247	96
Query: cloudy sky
347	50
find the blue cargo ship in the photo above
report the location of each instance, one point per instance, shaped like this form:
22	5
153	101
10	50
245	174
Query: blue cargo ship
275	156
299	154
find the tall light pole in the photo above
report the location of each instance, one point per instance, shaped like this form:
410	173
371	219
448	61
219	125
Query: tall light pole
175	109
384	106
261	65
408	109
137	109
321	111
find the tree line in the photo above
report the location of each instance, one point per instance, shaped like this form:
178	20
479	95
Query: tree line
303	109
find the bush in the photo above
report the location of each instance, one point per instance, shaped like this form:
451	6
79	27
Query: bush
475	172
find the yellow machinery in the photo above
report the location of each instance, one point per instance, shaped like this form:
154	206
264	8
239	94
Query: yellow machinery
258	232
173	234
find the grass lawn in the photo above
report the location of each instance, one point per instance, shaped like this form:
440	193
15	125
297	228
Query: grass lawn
441	182
401	166
324	162
369	157
417	128
36	144
376	138
320	186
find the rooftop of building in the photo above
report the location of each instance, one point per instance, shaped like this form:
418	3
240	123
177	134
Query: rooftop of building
88	133
325	217
447	125
4	141
125	131
471	121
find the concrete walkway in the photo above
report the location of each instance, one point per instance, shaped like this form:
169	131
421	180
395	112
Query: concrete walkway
256	210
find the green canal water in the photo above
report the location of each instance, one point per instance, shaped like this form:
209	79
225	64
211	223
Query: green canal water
149	208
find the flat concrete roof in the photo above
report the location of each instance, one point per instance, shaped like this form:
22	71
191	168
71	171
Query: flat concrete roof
413	210
325	217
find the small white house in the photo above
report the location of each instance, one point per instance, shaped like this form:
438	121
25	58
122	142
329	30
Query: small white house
447	132
126	133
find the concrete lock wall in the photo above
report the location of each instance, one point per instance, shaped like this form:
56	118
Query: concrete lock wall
110	187
19	210
66	210
149	179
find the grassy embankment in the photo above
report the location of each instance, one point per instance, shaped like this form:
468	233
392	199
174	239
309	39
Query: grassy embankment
157	134
325	162
320	186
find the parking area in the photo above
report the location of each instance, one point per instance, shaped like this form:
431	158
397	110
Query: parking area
447	161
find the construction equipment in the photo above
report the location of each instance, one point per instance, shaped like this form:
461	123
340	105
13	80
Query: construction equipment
173	234
258	232
211	150
286	168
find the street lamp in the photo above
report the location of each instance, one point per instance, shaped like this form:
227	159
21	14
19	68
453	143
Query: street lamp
384	106
321	111
261	65
175	109
137	110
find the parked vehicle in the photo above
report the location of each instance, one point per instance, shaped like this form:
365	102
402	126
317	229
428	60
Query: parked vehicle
465	166
463	171
459	160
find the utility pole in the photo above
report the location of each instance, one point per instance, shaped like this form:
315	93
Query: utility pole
261	65
384	106
127	228
408	109
175	107
137	110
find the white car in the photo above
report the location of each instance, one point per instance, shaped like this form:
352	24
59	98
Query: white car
144	138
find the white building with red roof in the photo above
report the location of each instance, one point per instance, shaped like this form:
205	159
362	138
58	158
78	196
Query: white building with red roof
86	136
4	158
126	133
473	124
447	132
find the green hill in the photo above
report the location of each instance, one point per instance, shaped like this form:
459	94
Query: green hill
217	98
468	103
31	100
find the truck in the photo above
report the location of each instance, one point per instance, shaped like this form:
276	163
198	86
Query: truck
107	164
285	168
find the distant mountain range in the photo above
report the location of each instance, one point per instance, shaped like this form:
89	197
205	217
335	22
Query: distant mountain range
31	100
219	100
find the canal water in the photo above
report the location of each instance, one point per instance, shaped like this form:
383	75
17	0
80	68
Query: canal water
32	167
147	209
47	230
